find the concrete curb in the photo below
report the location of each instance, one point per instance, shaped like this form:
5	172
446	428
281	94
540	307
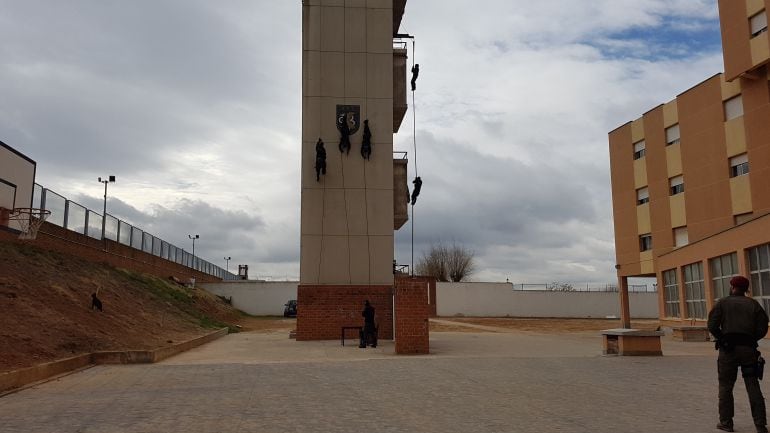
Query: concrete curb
16	380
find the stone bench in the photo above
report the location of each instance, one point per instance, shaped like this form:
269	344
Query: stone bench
631	342
691	333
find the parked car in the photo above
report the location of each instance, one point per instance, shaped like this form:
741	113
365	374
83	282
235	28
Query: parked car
290	308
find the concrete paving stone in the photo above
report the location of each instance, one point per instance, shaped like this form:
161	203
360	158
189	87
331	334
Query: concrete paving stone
474	382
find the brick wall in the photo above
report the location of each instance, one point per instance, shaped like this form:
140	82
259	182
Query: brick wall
53	237
412	312
322	310
431	293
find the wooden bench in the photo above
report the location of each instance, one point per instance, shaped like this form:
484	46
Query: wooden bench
631	342
691	333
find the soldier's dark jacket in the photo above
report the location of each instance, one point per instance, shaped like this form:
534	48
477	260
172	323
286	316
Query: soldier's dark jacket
739	320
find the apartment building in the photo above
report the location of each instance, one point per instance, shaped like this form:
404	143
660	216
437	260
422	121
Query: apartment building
691	179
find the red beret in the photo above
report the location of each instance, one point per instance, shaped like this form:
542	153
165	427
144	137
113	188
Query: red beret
740	282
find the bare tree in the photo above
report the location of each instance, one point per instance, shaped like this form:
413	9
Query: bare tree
447	263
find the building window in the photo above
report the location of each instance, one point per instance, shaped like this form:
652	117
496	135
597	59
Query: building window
733	107
676	185
742	218
759	268
645	242
695	294
671	293
722	269
681	237
639	149
739	165
758	24
672	135
642	196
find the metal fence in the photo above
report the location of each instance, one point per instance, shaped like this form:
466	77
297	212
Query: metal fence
566	287
77	218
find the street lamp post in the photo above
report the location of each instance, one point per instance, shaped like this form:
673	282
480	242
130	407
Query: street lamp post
104	212
194	237
227	263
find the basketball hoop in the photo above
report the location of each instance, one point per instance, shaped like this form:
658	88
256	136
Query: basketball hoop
29	220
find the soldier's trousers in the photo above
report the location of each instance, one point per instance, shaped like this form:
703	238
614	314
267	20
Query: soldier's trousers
370	335
744	357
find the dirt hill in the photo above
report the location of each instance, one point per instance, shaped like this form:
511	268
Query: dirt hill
45	308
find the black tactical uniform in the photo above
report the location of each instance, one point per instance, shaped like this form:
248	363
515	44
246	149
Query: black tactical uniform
738	322
369	335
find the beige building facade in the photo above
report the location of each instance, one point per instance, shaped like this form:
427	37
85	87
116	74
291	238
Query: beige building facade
691	178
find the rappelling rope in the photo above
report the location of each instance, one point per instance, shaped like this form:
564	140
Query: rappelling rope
323	196
366	185
414	141
414	116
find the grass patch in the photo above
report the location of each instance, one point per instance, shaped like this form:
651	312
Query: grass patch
162	289
178	297
211	323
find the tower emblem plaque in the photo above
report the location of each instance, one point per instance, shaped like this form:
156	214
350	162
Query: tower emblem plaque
350	114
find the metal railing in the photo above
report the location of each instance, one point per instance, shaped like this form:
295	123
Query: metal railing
566	287
79	219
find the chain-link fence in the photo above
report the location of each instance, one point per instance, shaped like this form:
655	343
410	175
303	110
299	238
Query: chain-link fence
77	218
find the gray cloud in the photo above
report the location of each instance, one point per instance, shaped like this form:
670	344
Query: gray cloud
223	232
130	85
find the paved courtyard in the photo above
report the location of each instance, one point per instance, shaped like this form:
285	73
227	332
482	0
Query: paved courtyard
475	382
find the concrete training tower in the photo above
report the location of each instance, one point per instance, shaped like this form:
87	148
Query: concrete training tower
350	73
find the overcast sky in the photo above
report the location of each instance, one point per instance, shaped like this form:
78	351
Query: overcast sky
195	106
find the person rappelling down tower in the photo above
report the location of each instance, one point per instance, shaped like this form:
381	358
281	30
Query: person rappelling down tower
366	142
344	136
417	187
320	160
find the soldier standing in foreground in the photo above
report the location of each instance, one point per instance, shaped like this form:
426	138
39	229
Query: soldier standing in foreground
738	322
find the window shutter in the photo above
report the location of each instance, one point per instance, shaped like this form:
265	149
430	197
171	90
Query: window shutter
758	23
733	107
681	237
672	134
642	193
738	160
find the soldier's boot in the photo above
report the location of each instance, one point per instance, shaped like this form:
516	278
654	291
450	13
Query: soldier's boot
725	426
761	429
361	340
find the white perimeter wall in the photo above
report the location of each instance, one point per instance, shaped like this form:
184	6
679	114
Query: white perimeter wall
258	298
267	298
499	299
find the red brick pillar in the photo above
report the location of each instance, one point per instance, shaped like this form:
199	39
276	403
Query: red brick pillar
431	293
412	312
432	297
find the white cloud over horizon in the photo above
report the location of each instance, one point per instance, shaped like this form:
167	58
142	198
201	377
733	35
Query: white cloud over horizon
195	106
